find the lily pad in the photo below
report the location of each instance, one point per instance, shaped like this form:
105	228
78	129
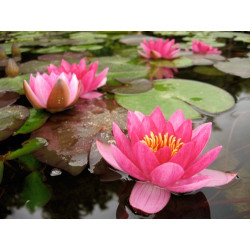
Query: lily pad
52	49
134	40
65	56
11	119
173	94
182	62
7	98
35	66
134	87
35	193
209	71
85	47
235	66
28	147
87	35
36	119
70	134
14	83
120	67
172	33
205	59
7	48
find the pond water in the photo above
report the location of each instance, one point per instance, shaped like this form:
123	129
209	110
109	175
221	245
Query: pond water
51	182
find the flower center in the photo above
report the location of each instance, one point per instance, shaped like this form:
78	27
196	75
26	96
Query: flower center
155	142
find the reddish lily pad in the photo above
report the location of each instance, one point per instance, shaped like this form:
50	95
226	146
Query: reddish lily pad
65	56
7	98
134	40
70	134
11	119
35	66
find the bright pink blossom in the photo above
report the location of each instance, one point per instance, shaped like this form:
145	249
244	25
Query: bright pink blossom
202	47
52	92
164	157
159	49
87	76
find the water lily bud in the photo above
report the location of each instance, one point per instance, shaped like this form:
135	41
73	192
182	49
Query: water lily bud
2	53
15	50
12	68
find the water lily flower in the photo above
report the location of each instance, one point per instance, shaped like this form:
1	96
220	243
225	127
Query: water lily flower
52	92
159	49
202	47
164	157
87	76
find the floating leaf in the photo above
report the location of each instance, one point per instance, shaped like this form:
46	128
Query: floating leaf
173	94
35	193
85	47
205	59
11	119
7	48
14	84
29	163
172	33
36	119
181	62
7	98
134	87
209	71
70	134
35	66
65	56
52	49
134	40
28	147
235	66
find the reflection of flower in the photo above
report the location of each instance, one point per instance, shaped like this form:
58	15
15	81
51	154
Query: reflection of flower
87	76
159	49
52	92
202	47
163	157
162	72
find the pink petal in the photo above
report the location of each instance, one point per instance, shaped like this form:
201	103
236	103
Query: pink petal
184	155
202	162
105	151
188	185
217	178
99	81
91	95
163	154
145	48
139	115
66	66
166	174
177	118
87	81
158	119
184	131
133	125
126	164
73	88
145	157
148	198
122	141
148	126
142	54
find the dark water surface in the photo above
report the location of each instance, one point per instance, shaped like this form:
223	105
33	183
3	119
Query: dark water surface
88	196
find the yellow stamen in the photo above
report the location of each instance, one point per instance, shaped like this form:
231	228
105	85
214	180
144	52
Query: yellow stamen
155	142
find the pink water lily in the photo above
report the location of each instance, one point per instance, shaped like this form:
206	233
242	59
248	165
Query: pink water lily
159	49
164	157
202	47
87	76
52	92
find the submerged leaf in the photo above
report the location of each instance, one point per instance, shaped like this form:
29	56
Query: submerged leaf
70	134
173	94
11	119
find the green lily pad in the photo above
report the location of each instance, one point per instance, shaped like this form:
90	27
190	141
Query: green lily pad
173	94
205	59
86	35
182	62
134	40
11	119
35	193
7	98
85	47
35	66
120	67
28	147
52	49
65	56
7	48
134	87
223	34
209	71
71	133
14	83
36	119
235	66
172	33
